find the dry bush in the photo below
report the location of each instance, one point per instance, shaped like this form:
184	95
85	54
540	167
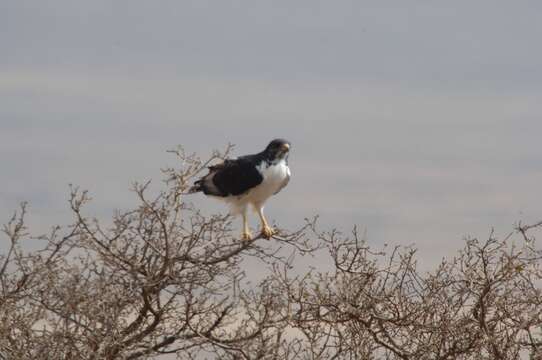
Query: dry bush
483	304
164	279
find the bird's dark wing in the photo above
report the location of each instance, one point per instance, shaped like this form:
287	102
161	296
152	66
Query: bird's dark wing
232	177
235	177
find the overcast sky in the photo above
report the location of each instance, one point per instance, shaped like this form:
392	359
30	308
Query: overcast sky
417	120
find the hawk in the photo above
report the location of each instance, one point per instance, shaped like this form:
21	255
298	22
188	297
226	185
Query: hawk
249	181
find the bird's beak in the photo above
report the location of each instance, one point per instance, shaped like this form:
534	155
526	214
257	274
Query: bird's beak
285	147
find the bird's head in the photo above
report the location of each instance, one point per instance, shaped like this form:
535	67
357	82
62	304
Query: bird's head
277	149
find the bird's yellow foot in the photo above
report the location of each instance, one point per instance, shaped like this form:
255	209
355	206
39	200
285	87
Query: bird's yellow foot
267	232
246	236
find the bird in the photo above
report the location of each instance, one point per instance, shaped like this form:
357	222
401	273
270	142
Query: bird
249	181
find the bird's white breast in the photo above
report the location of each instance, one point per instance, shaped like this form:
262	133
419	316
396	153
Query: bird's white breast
275	177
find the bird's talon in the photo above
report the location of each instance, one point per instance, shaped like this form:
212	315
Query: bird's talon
246	236
267	232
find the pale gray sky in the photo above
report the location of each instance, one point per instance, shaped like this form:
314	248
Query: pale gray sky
418	120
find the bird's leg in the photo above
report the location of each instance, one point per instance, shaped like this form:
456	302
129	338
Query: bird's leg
267	231
246	230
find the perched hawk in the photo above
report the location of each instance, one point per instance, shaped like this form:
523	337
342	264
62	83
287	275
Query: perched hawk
249	180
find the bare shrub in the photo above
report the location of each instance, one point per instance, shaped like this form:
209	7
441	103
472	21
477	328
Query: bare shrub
164	279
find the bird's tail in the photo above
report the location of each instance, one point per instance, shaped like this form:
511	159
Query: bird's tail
197	187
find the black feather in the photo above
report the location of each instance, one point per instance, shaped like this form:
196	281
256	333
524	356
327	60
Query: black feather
232	177
238	176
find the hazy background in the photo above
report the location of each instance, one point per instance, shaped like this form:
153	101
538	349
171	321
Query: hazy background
419	121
